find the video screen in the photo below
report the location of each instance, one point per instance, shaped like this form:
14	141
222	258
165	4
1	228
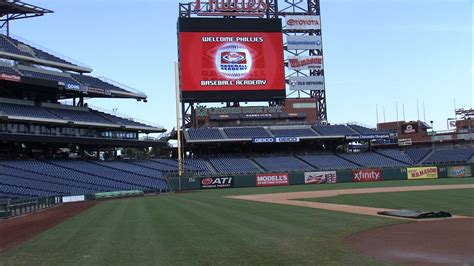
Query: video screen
231	59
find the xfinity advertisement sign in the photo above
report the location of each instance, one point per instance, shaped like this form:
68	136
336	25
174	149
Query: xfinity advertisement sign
276	140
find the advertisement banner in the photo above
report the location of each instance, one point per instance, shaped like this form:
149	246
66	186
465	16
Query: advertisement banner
422	172
10	77
327	177
305	62
367	175
270	180
228	59
304	42
306	83
303	23
276	140
459	171
410	128
217	182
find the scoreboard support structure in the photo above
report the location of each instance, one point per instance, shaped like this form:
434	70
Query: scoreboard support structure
275	9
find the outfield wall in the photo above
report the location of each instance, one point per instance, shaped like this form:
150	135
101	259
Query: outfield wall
192	182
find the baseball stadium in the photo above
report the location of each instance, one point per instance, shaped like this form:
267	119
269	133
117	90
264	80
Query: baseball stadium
253	171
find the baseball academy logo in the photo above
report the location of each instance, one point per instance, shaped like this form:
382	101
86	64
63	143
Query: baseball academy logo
233	61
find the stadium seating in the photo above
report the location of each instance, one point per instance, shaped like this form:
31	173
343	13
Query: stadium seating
297	132
11	45
363	130
204	133
48	76
95	82
397	155
246	132
25	111
78	115
417	155
370	159
229	165
203	166
450	156
333	130
282	163
8	70
328	161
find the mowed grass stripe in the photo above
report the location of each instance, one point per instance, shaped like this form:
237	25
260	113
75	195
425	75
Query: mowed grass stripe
455	201
204	228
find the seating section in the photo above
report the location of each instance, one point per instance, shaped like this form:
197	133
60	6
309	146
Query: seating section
11	45
204	133
450	156
284	163
47	76
25	111
95	82
234	165
65	113
328	161
334	130
246	132
78	115
397	155
417	155
363	130
8	70
203	166
299	132
371	159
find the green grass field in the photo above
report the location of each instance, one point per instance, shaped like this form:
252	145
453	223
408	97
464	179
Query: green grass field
455	201
204	228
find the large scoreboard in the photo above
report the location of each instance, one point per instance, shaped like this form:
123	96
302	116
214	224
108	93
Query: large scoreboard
231	59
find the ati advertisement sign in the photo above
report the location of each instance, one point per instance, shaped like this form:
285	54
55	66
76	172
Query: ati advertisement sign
422	172
276	140
315	83
304	42
217	182
328	177
303	23
229	61
236	7
305	62
459	171
269	180
367	175
410	128
10	77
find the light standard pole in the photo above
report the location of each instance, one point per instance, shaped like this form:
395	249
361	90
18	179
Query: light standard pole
432	135
470	131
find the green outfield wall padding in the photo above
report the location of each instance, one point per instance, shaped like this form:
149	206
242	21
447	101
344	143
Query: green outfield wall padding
245	180
344	176
297	178
395	173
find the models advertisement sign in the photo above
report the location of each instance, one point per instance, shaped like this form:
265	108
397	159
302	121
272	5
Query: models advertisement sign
305	62
217	182
327	177
303	23
422	172
304	42
270	180
306	83
367	175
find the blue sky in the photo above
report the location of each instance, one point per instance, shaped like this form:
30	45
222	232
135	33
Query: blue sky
376	52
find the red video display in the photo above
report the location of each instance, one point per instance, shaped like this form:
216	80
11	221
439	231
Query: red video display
231	65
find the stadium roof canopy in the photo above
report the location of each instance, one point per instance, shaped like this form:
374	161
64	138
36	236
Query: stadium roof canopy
14	9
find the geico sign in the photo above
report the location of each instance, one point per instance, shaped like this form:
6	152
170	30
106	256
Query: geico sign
303	23
216	6
263	140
